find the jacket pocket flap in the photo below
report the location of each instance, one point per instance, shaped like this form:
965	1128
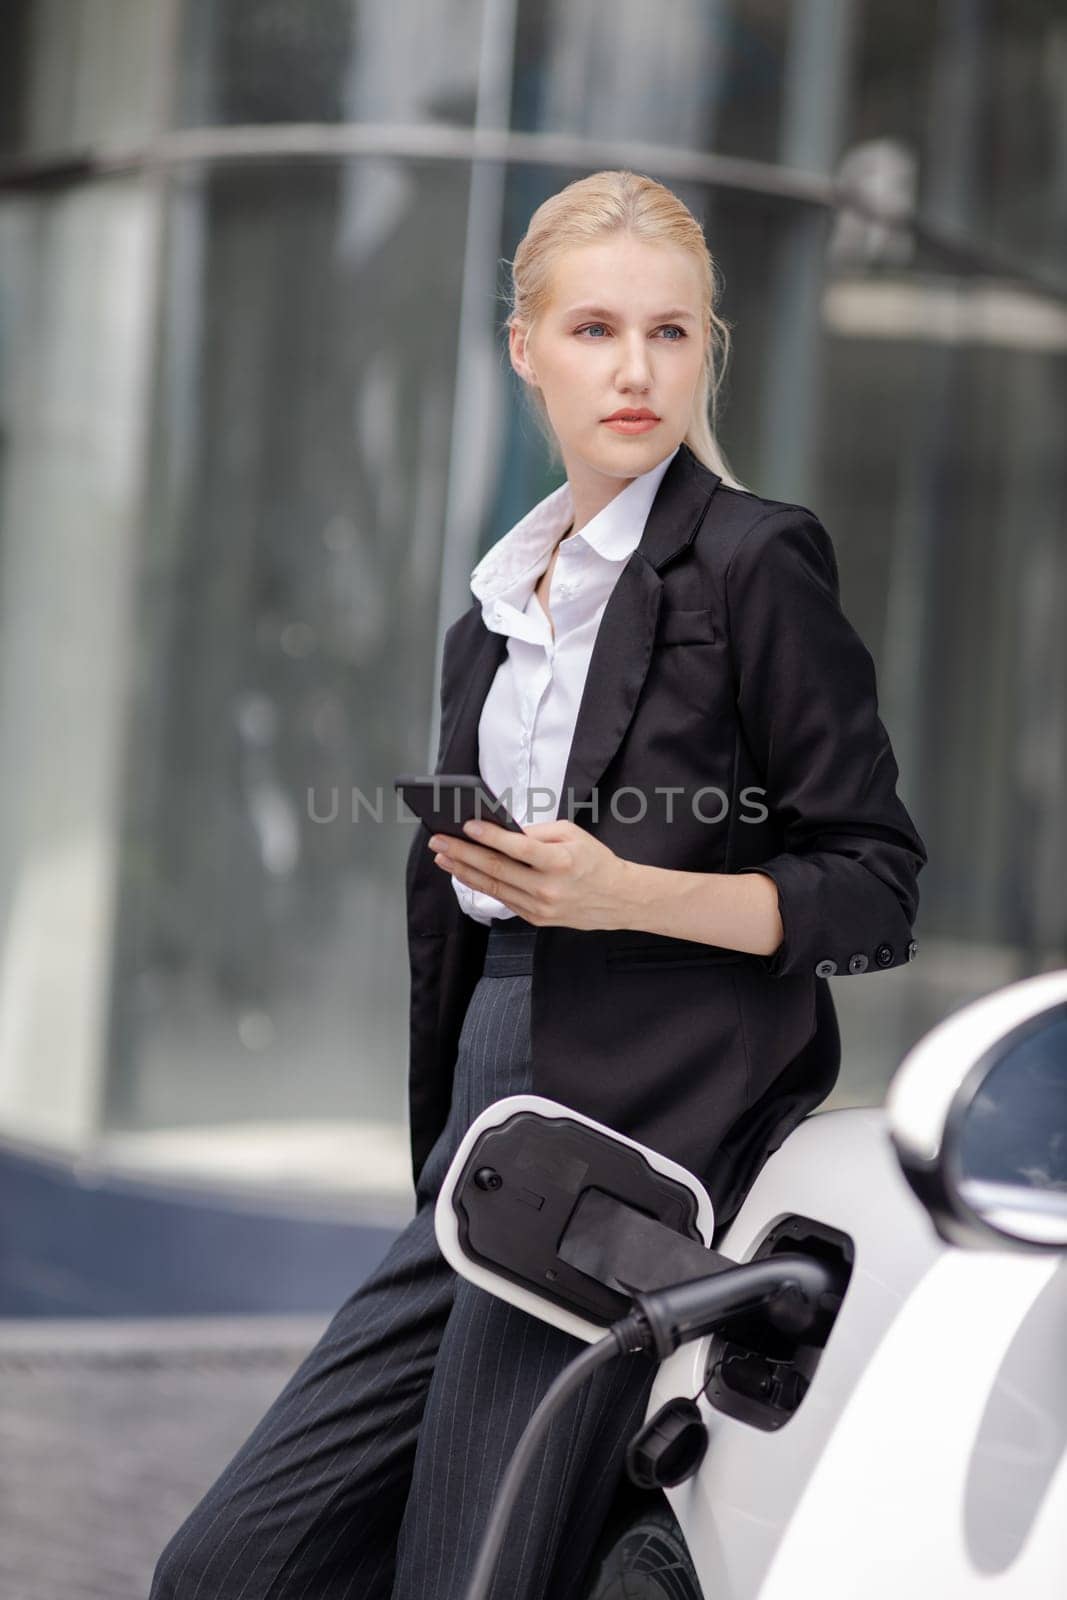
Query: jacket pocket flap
663	950
685	627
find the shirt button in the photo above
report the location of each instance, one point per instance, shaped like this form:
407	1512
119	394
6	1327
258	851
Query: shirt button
826	969
884	955
857	963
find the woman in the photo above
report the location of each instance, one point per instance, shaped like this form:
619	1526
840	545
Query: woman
661	654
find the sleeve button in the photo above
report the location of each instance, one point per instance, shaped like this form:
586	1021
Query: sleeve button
826	969
857	963
884	955
912	950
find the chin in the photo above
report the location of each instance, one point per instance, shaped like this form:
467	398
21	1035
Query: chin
638	451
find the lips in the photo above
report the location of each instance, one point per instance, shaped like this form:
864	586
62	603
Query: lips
632	422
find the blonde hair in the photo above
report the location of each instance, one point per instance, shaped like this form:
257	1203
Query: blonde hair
621	201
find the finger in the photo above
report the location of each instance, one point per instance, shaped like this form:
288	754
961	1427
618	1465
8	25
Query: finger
548	836
492	884
518	845
482	855
486	858
490	866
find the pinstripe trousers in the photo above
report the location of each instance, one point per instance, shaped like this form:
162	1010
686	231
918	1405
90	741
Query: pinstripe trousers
373	1473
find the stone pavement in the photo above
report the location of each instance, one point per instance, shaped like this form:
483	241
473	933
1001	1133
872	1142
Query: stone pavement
111	1431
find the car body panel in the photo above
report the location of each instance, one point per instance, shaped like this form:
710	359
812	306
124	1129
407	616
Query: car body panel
921	1487
822	1501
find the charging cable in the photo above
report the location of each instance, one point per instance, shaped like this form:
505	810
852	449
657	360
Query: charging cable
788	1287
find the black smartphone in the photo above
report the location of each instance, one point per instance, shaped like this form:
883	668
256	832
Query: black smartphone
445	801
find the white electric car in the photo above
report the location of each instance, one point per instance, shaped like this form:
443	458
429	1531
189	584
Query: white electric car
863	1390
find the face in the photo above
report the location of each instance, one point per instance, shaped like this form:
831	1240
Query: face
623	331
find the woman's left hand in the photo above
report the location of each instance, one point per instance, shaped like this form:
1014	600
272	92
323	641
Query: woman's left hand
553	874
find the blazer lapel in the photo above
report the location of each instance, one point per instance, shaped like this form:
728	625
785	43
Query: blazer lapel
478	651
621	652
618	667
622	649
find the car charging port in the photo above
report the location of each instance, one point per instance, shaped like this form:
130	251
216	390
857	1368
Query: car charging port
758	1369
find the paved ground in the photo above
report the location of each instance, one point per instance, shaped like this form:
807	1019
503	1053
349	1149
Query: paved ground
109	1434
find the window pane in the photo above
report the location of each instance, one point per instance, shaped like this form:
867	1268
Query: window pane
694	75
76	71
261	61
287	625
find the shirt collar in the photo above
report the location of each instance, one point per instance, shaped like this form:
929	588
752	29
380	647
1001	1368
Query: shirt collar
511	568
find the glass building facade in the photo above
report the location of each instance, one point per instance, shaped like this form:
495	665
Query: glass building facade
257	423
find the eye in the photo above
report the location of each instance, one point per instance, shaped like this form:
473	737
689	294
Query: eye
668	327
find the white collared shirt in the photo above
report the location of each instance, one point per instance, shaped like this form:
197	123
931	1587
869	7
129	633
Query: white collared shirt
527	723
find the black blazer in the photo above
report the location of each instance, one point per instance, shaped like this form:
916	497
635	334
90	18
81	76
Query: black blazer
723	662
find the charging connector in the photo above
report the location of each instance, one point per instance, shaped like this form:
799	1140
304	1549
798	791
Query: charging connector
785	1285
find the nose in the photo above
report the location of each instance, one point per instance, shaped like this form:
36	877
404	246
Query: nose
634	370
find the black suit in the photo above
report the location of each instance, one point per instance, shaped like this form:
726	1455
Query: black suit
723	659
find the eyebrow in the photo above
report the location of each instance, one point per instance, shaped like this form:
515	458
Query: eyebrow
602	311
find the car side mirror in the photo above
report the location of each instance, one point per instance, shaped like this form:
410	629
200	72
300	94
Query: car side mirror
978	1116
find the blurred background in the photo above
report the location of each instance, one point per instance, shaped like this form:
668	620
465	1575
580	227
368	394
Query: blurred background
257	424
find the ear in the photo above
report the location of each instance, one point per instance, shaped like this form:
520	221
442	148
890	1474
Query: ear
517	352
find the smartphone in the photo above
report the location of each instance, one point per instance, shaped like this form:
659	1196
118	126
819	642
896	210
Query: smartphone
445	801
